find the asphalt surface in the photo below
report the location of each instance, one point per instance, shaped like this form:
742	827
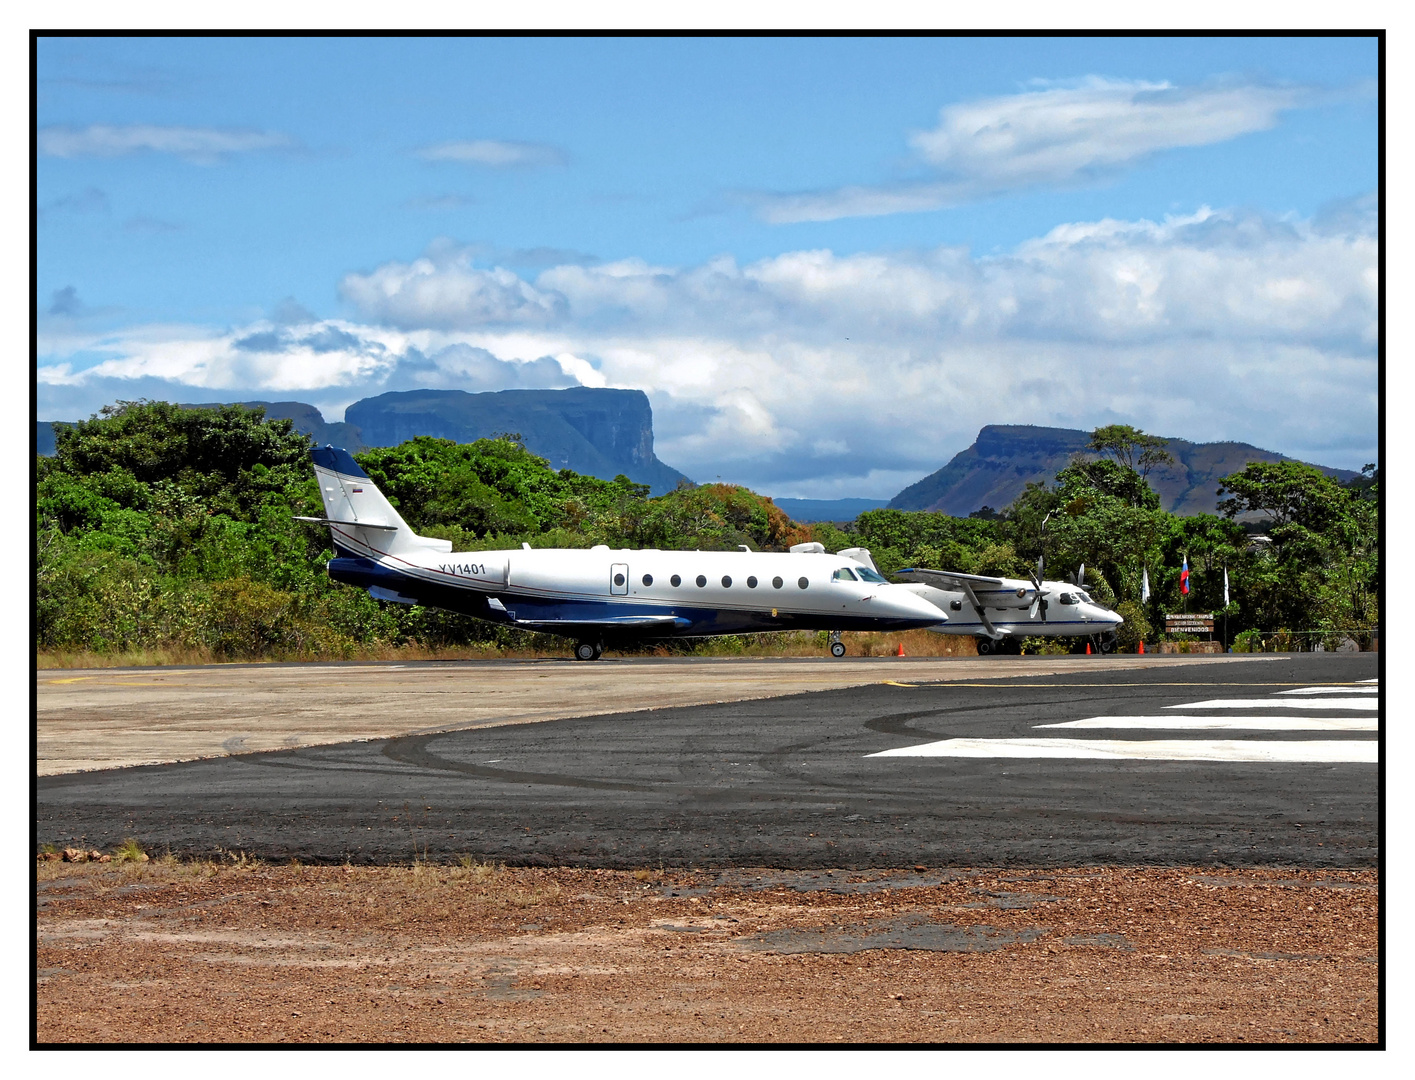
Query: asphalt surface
785	782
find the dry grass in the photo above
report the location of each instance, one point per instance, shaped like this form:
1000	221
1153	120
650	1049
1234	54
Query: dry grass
789	643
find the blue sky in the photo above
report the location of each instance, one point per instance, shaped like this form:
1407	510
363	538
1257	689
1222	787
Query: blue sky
828	261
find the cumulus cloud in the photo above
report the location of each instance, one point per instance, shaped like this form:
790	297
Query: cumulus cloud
328	363
66	301
495	153
821	375
1049	137
443	290
200	146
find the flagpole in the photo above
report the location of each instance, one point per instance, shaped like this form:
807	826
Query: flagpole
1225	605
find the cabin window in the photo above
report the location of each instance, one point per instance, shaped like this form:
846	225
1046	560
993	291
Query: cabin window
702	581
675	581
843	574
803	582
619	579
726	582
955	605
648	579
751	583
872	576
776	583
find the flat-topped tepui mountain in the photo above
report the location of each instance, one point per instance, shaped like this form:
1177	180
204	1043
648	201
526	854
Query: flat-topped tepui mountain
594	431
1007	457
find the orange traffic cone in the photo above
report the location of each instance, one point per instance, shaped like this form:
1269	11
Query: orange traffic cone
1088	648
901	648
1141	649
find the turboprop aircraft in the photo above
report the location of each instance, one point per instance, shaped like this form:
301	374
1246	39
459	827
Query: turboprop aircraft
1002	611
598	595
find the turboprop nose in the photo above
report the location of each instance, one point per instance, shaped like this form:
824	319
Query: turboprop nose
1104	615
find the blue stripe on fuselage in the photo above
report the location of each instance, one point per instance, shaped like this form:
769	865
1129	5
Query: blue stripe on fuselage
701	620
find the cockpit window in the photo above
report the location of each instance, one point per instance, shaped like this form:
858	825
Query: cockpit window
1085	597
1068	598
872	576
843	574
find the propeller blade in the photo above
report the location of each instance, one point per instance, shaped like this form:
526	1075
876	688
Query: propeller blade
1039	601
1081	576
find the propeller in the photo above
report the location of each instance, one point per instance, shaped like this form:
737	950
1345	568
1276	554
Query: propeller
1039	603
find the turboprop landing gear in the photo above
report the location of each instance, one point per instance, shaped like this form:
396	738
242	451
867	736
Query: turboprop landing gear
1105	643
1007	646
588	650
837	647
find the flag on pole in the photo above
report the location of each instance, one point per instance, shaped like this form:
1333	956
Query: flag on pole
1225	586
1184	577
1145	586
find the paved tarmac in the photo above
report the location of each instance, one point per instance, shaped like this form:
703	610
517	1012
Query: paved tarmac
809	781
107	719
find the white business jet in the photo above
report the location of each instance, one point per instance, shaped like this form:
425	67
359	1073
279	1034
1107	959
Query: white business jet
1002	611
598	595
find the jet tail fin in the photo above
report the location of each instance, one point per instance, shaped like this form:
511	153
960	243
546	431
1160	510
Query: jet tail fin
360	519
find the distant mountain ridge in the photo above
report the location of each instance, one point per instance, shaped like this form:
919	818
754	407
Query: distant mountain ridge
594	431
1007	457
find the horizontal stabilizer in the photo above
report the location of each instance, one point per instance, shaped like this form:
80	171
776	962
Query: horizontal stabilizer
378	592
348	524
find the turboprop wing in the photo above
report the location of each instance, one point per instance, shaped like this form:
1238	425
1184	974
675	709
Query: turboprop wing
982	592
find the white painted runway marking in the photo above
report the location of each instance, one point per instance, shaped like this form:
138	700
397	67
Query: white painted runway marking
1224	723
1231	750
1333	690
1361	704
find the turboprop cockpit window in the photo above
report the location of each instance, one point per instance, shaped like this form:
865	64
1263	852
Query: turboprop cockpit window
1068	598
874	577
843	574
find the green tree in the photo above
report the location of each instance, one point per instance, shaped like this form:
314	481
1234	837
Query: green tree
1131	447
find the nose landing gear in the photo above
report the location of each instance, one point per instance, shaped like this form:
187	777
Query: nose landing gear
588	650
837	647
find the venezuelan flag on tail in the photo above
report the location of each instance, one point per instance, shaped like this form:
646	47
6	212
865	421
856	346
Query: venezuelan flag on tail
1184	577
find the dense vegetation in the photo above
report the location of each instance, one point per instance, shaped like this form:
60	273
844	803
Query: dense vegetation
160	527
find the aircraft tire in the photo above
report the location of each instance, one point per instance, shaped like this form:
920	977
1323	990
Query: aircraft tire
986	646
586	650
837	649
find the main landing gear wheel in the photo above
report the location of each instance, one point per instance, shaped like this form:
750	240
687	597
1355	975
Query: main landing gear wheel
986	646
837	647
588	650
